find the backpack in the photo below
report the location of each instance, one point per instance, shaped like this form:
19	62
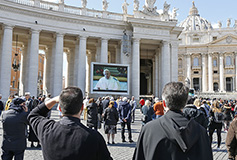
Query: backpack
218	117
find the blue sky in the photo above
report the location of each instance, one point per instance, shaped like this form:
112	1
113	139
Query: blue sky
212	10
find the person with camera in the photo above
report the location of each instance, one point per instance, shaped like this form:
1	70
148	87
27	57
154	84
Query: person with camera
14	122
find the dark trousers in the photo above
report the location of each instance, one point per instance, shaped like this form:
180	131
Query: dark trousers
123	130
218	132
9	154
133	116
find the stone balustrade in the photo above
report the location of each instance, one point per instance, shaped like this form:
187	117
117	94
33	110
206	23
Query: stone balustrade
70	9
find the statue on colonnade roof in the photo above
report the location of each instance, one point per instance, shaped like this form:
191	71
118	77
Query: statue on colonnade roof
105	5
83	3
150	3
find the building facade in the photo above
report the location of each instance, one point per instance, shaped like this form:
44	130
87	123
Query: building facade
87	35
207	55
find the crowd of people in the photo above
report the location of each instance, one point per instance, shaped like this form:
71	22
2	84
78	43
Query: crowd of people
174	127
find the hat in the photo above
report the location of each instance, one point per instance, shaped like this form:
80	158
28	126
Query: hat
17	101
27	93
0	95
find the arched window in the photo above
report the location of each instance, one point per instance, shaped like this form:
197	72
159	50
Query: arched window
215	62
195	62
228	61
180	63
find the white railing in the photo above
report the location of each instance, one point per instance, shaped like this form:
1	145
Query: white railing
69	9
49	5
72	10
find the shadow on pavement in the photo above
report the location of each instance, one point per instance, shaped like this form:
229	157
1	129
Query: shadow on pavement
126	144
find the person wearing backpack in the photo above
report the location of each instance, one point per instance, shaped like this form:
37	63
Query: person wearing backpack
216	119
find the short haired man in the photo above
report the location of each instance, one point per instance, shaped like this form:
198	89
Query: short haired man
107	82
14	122
68	138
124	111
172	136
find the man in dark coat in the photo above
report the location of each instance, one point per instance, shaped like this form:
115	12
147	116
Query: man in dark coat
68	138
105	103
173	137
124	110
14	122
191	111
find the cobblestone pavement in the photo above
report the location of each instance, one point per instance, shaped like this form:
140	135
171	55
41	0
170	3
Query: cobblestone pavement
122	151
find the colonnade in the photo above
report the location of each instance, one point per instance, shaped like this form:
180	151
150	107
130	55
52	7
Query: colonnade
165	63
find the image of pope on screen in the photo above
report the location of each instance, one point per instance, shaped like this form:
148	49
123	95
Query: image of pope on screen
107	82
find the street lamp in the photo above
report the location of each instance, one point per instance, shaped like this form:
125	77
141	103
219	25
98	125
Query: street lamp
16	64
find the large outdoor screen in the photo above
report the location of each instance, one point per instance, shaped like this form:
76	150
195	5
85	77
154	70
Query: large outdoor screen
109	78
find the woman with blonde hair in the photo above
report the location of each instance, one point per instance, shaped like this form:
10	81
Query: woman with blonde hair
216	118
198	104
111	118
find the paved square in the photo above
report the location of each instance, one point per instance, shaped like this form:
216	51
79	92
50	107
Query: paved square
121	151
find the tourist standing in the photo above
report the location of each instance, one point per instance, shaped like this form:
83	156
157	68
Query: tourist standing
158	108
124	110
32	137
227	116
105	103
10	98
133	104
67	138
147	112
100	111
173	136
92	114
110	118
216	119
14	122
231	140
29	101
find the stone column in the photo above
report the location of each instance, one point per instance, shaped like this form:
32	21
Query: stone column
58	65
204	72
88	71
33	63
98	51
136	68
156	73
118	54
23	67
210	73
221	72
6	60
48	71
104	50
45	75
81	74
71	64
174	61
189	68
166	64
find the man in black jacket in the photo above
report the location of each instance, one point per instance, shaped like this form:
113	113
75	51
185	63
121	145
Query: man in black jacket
67	139
14	122
173	137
